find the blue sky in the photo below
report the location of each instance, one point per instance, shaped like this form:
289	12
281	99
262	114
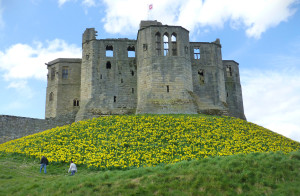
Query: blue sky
263	36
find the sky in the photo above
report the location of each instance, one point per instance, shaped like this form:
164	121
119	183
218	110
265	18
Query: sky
263	36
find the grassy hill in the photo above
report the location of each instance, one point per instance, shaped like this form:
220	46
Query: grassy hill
252	174
153	155
148	140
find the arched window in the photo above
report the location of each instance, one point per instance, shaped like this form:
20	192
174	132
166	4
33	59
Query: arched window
158	43
51	96
108	65
109	51
131	51
75	102
174	44
166	44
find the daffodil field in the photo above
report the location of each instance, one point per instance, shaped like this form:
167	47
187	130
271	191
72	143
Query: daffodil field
148	140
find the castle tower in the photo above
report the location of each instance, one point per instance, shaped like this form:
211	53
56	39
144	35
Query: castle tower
108	76
164	80
63	87
234	96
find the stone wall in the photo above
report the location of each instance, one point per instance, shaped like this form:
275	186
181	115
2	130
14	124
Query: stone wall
13	127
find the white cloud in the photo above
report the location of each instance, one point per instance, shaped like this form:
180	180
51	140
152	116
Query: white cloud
61	2
89	3
256	16
272	100
22	61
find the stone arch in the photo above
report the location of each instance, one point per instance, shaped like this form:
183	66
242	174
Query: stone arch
174	44
158	43
166	44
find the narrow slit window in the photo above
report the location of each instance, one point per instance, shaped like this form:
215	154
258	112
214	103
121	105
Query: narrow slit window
101	76
121	80
132	90
145	47
166	44
197	53
109	51
115	99
174	44
51	96
52	73
229	71
201	76
132	72
108	65
158	43
131	51
65	72
75	102
168	89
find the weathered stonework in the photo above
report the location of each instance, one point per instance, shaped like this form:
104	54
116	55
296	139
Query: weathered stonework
161	72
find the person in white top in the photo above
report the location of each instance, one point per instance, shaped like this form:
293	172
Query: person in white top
72	168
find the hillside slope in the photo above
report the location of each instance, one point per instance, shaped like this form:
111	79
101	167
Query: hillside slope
149	140
252	174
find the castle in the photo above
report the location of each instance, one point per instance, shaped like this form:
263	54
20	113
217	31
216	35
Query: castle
161	72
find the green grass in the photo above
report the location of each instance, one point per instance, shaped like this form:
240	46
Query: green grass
252	174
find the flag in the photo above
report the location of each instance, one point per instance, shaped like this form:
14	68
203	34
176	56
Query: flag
150	6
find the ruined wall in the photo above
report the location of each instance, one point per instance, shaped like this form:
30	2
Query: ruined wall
108	77
208	77
164	71
63	88
13	127
234	96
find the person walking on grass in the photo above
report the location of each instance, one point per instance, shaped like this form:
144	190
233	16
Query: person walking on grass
72	168
44	163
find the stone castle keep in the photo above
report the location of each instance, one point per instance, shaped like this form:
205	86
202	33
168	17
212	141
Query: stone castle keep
161	72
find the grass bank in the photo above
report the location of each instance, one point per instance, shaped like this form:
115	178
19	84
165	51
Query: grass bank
251	174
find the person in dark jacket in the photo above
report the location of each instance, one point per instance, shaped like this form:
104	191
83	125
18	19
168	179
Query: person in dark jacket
44	163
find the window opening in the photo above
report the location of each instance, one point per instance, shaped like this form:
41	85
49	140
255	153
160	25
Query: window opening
201	76
186	49
145	47
132	90
174	44
132	72
131	51
108	65
52	73
158	43
166	44
109	51
168	89
197	53
65	71
121	80
75	102
51	96
115	99
227	94
229	71
101	76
